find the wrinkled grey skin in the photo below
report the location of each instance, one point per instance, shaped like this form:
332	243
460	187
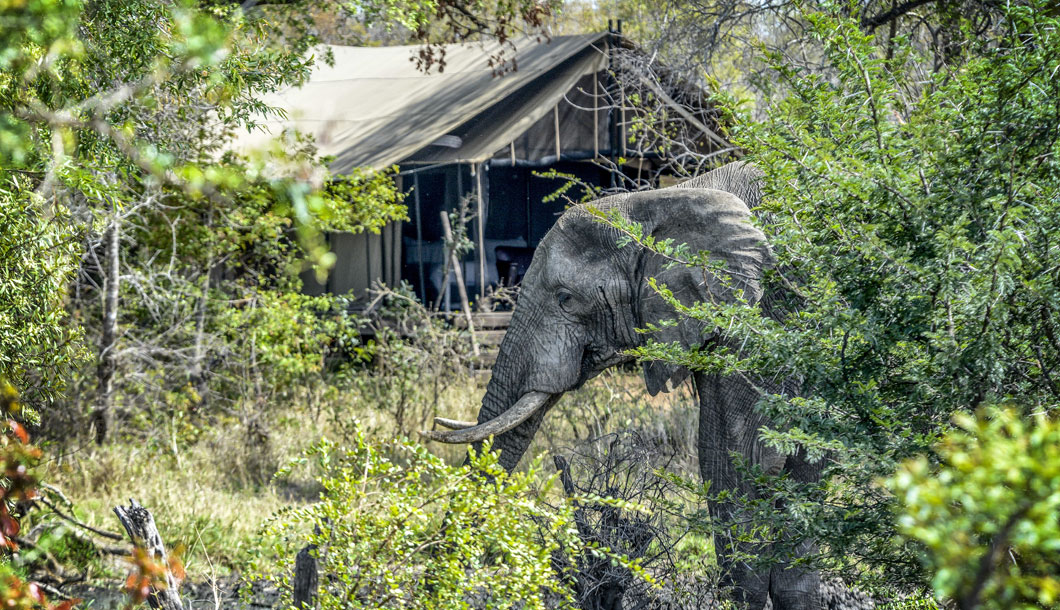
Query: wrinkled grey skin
582	299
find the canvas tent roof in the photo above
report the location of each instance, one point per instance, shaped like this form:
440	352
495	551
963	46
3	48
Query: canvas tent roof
374	108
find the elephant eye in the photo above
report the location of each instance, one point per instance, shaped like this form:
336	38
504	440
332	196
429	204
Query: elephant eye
564	298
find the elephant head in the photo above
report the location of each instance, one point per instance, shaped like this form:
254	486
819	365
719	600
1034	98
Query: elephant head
584	297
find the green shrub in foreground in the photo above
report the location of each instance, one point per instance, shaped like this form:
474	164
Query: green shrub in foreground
397	527
987	516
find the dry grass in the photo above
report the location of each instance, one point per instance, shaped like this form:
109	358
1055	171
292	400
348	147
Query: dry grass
211	495
195	500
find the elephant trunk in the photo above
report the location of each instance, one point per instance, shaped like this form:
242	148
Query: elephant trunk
519	393
512	378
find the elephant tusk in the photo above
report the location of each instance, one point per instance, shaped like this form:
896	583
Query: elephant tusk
520	412
454	424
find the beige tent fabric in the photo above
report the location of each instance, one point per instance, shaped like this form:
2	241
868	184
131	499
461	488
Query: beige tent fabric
373	108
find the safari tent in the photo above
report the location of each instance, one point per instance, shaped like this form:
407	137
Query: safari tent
466	133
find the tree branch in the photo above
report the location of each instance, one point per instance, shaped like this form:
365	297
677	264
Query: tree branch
987	563
66	517
896	12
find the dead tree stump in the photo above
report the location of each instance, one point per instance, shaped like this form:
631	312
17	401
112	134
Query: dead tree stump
306	578
140	526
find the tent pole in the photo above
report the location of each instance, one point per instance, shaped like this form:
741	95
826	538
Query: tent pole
392	255
555	123
481	237
622	116
596	115
459	204
419	237
368	261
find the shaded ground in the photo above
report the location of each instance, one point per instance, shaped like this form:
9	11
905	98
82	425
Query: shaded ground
196	596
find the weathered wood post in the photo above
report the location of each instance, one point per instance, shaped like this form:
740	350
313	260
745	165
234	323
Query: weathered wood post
306	578
140	526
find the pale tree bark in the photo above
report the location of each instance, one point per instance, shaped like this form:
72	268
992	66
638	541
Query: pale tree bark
141	528
199	373
198	367
103	415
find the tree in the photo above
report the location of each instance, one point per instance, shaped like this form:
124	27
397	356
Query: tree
718	39
38	256
112	168
913	216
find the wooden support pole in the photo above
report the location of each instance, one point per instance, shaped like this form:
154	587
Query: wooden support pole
596	115
454	262
555	122
622	116
419	237
140	526
481	225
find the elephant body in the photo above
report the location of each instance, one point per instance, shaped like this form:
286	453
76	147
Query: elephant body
580	304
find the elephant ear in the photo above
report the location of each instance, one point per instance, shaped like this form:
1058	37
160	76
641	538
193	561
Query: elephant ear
707	220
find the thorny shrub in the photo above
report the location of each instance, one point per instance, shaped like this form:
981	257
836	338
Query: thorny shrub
397	527
628	503
412	360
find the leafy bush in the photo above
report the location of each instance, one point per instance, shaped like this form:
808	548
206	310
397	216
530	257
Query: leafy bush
397	527
987	514
18	487
38	256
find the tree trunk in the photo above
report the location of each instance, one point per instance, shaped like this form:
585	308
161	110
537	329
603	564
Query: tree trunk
198	366
102	415
140	525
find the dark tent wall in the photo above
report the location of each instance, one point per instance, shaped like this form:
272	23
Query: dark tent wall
518	208
517	215
429	193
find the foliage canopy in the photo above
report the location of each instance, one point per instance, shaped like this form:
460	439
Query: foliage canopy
914	218
986	514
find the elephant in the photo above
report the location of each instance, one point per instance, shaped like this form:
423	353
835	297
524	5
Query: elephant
583	299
